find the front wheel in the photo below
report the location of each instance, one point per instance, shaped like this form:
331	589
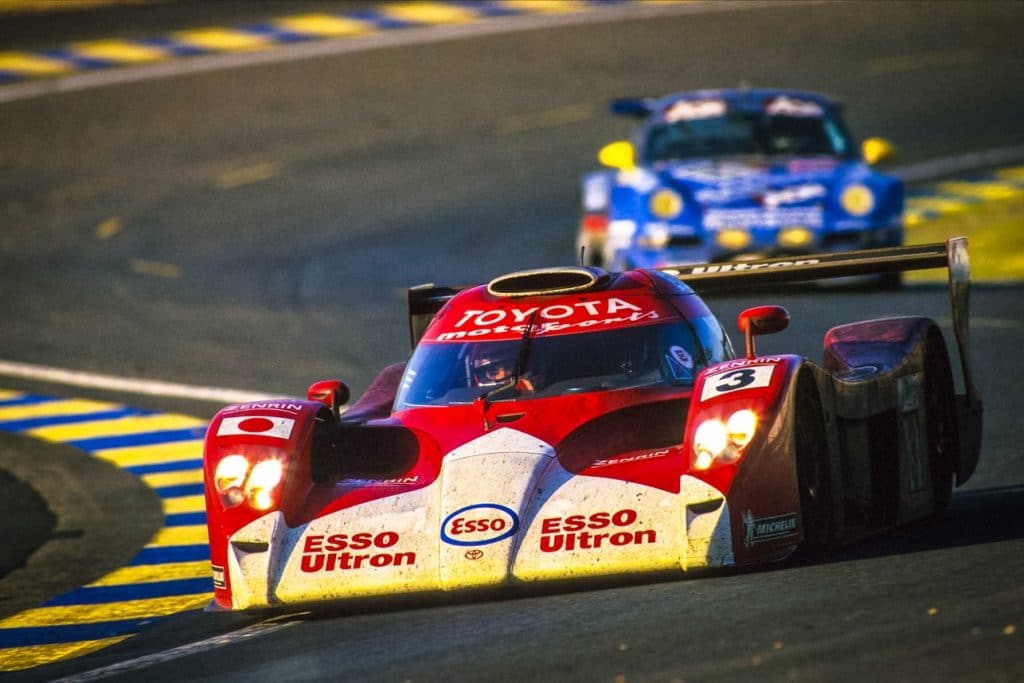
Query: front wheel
813	475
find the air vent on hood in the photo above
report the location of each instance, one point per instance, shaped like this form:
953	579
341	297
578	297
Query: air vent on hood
547	281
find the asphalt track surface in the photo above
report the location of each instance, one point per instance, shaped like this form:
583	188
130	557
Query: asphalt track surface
452	162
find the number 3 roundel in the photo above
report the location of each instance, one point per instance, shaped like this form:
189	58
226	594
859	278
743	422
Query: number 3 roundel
750	377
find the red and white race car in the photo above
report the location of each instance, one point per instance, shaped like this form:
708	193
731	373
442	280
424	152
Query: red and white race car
567	423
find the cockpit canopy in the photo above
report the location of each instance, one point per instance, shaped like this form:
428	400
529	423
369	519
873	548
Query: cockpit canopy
658	354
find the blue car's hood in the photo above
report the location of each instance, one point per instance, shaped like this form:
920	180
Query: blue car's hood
737	183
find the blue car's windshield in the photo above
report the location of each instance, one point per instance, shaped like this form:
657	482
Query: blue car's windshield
444	373
745	133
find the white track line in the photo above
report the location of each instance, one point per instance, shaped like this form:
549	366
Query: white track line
128	665
127	385
943	167
392	38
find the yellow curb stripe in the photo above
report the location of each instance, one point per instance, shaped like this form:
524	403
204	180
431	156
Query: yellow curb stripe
173	478
428	13
939	204
196	503
1011	173
130	456
30	656
543	6
323	25
179	535
981	190
147	573
120	51
116	427
62	615
222	39
27	64
55	408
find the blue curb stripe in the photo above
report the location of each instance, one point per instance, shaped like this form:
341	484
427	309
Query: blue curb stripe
159	467
185	519
143	439
487	8
171	553
98	595
179	490
71	633
175	48
27	400
279	35
79	61
379	20
53	420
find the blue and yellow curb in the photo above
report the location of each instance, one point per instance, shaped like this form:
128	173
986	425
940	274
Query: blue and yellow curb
934	200
115	52
169	574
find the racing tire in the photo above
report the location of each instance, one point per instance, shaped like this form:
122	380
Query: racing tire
813	481
940	419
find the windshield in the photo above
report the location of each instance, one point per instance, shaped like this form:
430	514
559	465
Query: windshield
444	373
744	133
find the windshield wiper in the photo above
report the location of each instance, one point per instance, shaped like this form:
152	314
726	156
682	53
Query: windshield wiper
517	372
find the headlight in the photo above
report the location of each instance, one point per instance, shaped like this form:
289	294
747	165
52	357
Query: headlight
655	237
714	440
263	480
795	237
857	200
709	442
740	427
666	203
230	473
733	238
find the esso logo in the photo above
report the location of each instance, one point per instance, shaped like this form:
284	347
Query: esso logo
479	524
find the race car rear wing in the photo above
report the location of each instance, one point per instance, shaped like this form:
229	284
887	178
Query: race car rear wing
706	277
426	300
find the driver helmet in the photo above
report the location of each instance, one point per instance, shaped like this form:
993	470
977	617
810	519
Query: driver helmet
490	365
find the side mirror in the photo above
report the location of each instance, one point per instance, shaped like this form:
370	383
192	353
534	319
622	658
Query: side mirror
877	150
333	393
761	320
618	155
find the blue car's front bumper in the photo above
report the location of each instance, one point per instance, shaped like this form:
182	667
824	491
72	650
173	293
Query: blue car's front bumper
762	243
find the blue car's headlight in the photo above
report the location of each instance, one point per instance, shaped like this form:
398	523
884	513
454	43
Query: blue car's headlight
665	204
857	200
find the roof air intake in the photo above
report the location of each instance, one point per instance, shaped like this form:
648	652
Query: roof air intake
547	281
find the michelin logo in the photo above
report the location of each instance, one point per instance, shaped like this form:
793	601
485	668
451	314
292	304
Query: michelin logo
767	528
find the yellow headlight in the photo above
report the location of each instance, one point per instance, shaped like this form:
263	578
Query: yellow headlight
795	237
857	200
666	203
733	238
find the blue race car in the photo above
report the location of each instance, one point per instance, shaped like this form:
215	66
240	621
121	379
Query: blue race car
722	175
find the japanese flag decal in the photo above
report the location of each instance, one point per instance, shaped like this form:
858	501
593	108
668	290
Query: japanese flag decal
257	425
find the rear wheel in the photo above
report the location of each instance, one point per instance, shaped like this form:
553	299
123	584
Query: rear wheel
812	473
941	425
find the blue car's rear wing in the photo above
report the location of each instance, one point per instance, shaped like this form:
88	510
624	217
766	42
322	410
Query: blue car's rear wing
952	255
